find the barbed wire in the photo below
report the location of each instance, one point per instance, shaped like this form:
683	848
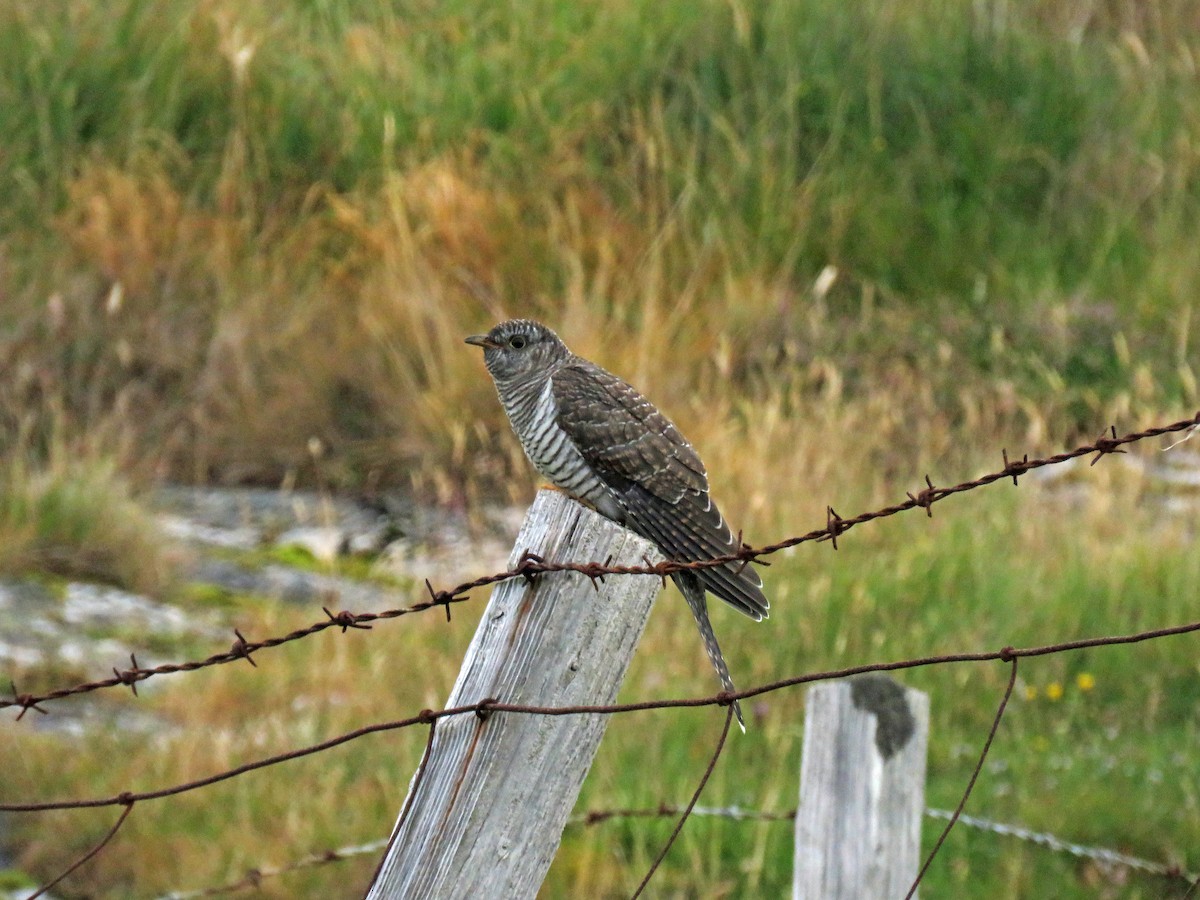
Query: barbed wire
1048	840
725	699
1079	851
1104	855
492	705
531	565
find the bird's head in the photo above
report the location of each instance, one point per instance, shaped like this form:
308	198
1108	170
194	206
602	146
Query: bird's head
518	348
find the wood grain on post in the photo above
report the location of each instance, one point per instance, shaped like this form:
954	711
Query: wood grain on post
862	790
486	818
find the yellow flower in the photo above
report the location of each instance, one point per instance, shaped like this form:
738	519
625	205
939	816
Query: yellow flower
1085	681
1054	691
1031	692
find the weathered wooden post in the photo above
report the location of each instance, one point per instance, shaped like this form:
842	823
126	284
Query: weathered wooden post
486	818
862	790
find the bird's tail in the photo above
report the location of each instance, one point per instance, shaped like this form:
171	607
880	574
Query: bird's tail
693	592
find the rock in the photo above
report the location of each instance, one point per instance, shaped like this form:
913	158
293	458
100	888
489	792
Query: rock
100	606
371	543
443	562
325	544
297	585
245	518
238	538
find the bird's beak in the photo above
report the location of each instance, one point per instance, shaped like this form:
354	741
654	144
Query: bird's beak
482	340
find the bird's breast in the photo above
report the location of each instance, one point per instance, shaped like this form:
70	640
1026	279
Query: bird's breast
533	413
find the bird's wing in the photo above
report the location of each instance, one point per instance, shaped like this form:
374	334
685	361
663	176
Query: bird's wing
622	436
655	474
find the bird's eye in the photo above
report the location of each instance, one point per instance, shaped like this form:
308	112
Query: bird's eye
517	342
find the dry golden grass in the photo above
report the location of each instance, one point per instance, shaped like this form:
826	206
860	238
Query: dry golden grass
209	314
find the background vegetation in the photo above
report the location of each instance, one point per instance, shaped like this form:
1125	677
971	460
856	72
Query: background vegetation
842	244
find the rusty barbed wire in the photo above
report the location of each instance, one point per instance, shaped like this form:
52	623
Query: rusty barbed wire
491	706
725	699
530	565
721	699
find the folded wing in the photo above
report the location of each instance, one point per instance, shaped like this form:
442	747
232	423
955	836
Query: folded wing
655	475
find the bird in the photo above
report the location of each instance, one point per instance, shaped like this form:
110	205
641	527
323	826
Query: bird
596	438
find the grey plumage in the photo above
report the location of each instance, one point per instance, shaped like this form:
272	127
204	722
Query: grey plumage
594	436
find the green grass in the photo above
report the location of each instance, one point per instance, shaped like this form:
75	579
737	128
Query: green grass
78	518
361	567
229	231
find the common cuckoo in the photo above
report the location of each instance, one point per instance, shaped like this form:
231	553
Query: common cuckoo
599	440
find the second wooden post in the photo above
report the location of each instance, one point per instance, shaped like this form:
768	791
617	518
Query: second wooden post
862	790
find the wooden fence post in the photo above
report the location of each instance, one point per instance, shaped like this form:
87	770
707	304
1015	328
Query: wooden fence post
486	819
862	790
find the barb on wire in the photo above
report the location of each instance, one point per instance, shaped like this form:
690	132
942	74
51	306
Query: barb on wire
25	701
530	566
